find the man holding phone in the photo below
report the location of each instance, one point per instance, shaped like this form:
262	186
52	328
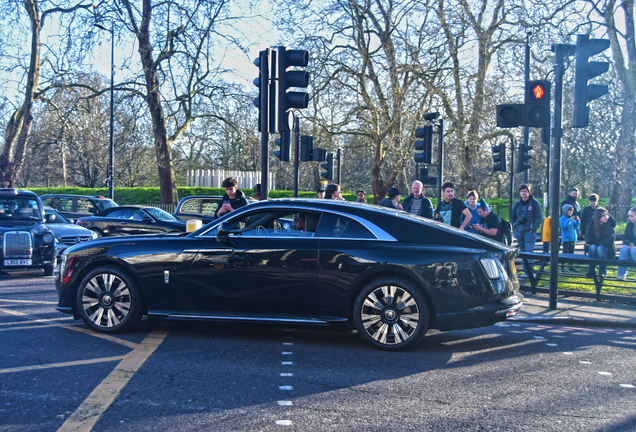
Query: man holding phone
232	199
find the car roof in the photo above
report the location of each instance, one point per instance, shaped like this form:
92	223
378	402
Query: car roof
74	196
15	193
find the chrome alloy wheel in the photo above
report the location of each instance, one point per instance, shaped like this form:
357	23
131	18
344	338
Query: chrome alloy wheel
390	315
106	300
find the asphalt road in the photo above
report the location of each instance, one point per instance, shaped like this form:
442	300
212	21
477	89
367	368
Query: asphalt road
55	374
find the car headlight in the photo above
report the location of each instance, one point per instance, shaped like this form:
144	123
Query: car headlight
490	266
48	238
95	235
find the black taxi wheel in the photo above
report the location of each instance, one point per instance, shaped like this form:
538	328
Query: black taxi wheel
391	314
108	300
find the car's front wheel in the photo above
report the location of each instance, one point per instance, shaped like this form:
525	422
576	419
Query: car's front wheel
108	300
391	314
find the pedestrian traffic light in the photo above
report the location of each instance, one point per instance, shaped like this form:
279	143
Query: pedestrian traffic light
586	70
524	157
537	104
284	142
426	179
425	145
285	79
499	157
306	148
329	167
509	115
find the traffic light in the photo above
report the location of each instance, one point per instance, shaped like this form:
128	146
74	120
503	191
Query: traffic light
329	167
499	157
284	142
524	157
262	82
509	115
537	104
286	100
426	179
306	148
586	70
318	154
425	145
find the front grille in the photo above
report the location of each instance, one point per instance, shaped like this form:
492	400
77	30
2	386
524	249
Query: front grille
18	244
71	240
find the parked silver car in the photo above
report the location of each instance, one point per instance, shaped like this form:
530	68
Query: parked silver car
66	233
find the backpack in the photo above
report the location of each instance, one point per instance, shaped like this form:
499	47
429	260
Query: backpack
505	231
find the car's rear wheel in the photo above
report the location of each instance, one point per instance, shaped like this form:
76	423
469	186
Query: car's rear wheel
391	314
108	300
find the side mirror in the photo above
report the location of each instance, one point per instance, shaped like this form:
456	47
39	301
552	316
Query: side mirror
222	232
49	218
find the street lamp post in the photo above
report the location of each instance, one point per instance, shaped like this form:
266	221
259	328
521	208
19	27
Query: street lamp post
111	165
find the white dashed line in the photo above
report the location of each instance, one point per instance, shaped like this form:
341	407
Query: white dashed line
516	325
285	403
551	344
287	343
284	422
287	353
627	386
584	362
285	374
287	363
568	353
538	337
285	387
604	373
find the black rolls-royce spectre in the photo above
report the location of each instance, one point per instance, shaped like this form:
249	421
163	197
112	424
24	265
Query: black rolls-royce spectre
385	273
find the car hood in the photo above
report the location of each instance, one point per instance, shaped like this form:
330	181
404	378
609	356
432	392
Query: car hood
64	230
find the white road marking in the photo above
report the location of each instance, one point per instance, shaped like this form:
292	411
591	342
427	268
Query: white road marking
568	353
538	337
287	363
627	386
285	387
287	343
551	344
285	403
584	362
284	422
287	353
604	373
286	374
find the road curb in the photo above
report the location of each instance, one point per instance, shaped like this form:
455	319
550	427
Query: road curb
580	322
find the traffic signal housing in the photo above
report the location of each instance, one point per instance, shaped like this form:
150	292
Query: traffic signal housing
328	167
499	157
426	179
524	157
537	104
586	70
306	148
509	115
285	79
425	145
284	143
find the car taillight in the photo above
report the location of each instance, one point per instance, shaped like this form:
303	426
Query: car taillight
68	270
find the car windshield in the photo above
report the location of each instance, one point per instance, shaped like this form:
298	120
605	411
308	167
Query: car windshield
59	219
105	203
20	209
160	214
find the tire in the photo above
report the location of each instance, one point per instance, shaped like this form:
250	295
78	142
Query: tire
391	314
108	300
48	270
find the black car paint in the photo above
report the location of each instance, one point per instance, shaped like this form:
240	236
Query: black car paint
313	278
108	226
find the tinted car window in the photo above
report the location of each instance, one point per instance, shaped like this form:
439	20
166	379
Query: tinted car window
19	209
121	214
160	214
58	217
199	206
137	215
209	207
64	204
47	201
104	203
337	226
84	205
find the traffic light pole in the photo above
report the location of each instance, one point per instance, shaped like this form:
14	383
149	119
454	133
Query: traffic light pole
561	51
526	129
297	154
339	168
264	100
512	176
440	159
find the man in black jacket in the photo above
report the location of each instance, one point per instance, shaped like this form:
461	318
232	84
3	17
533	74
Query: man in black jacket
417	203
232	199
587	215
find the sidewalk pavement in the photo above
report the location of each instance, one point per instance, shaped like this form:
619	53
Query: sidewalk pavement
582	313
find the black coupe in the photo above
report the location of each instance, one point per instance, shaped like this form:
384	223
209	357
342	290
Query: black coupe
132	220
386	273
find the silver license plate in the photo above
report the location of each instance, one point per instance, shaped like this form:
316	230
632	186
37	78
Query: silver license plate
18	262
